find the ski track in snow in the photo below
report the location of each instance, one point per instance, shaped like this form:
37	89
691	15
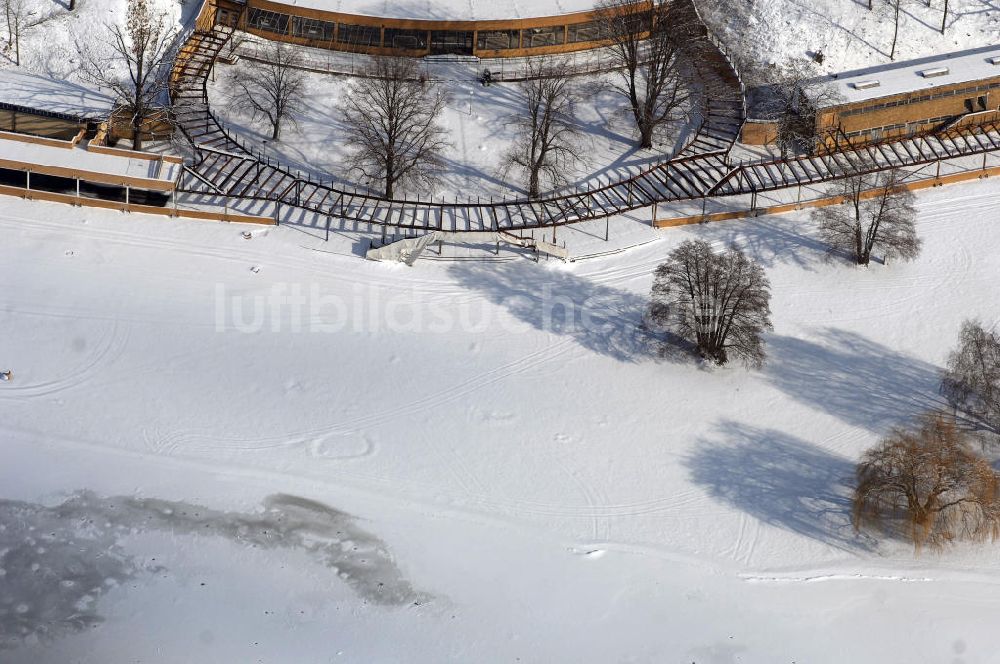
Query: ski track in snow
190	440
109	348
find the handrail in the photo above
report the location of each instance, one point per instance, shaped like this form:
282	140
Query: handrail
443	204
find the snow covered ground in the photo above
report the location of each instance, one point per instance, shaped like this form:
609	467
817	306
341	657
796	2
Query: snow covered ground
846	32
479	124
333	460
50	44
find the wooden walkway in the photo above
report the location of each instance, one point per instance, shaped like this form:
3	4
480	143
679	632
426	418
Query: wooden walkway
226	166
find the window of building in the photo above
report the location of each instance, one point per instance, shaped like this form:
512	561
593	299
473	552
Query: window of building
359	35
268	21
538	37
585	32
498	40
309	28
981	102
415	40
452	42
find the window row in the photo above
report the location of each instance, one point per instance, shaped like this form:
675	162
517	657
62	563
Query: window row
919	99
420	40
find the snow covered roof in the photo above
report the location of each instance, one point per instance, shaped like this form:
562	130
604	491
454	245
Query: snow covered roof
109	166
52	95
449	10
911	76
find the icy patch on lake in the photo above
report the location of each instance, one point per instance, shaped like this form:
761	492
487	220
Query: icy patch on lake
57	562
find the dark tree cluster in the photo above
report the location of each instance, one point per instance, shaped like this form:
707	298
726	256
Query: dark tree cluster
718	301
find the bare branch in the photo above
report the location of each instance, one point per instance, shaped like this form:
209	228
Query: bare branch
720	302
928	480
877	214
649	40
272	89
971	383
134	63
545	147
391	119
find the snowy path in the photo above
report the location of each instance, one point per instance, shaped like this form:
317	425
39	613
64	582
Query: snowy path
454	400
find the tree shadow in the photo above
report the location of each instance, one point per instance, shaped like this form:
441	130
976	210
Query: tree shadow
770	242
859	381
599	318
780	480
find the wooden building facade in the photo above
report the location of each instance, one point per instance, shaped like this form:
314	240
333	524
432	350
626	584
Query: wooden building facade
416	38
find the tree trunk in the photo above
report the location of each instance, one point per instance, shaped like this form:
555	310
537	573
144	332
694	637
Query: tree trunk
895	32
276	131
944	18
72	5
645	136
533	183
137	132
859	247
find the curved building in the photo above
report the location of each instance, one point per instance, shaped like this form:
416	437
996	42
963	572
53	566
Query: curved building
482	28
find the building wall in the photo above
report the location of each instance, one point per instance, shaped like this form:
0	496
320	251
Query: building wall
384	36
759	132
911	113
30	123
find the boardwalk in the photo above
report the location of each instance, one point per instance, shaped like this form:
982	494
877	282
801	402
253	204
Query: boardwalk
226	166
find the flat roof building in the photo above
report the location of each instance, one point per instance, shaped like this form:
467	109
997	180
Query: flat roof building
907	98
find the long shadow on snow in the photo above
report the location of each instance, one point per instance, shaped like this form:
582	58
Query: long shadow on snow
859	381
769	241
780	480
602	319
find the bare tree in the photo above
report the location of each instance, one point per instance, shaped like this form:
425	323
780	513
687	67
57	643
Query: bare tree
648	41
18	16
270	89
391	120
545	147
135	64
720	302
971	383
877	213
944	17
930	480
790	96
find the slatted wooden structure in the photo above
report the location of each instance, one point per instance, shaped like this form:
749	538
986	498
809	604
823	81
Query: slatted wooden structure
227	166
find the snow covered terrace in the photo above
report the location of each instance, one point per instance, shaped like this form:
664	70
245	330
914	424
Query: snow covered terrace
30	92
912	76
99	165
448	10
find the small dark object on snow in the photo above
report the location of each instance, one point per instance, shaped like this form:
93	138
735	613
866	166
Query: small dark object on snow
487	78
818	57
7	375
